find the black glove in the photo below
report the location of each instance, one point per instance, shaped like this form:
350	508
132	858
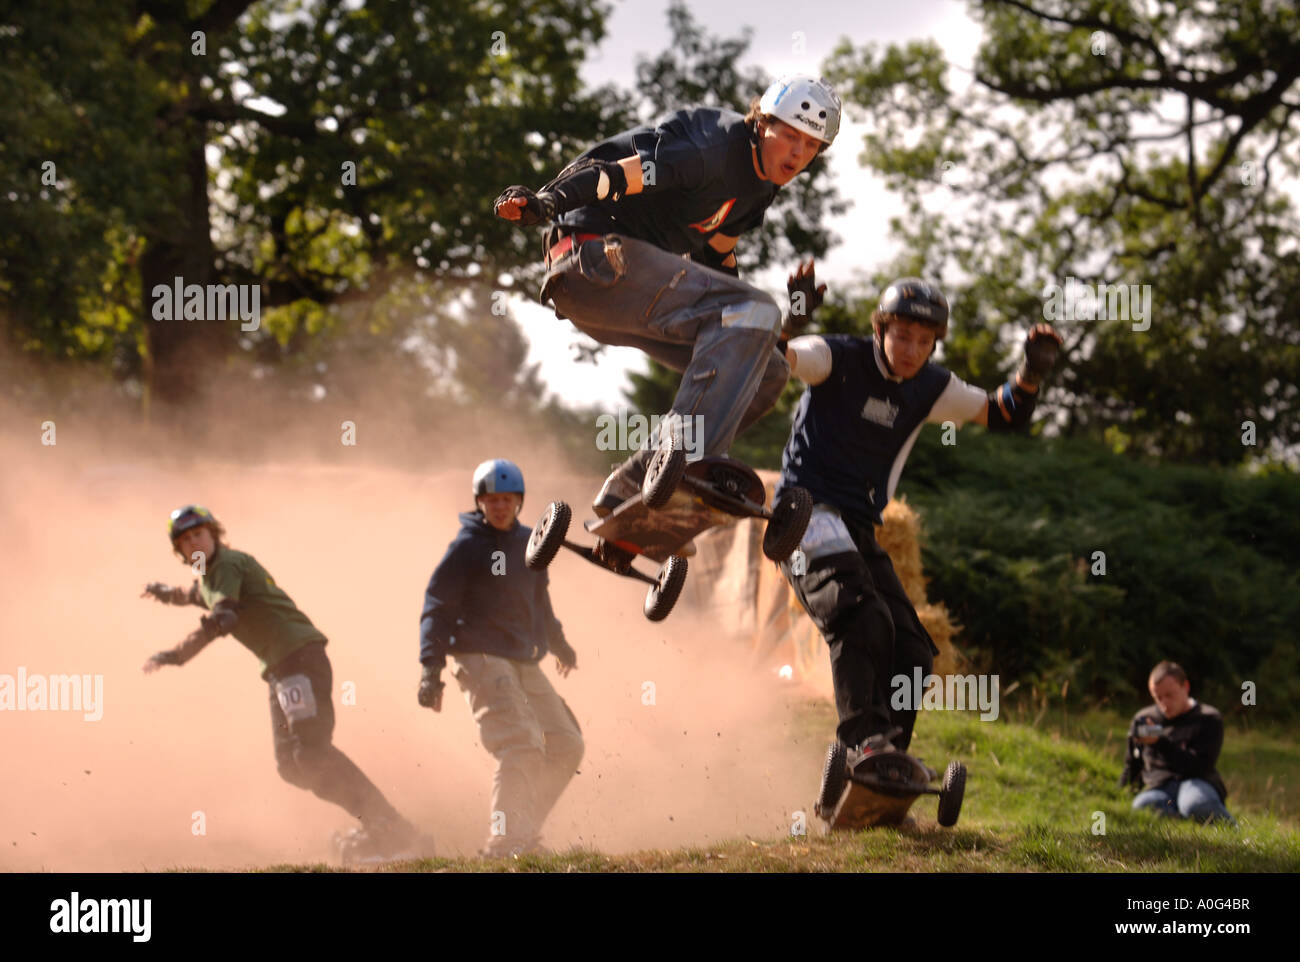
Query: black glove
1041	349
565	653
805	297
220	622
164	593
540	208
431	686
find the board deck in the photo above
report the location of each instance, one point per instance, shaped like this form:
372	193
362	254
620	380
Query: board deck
862	808
659	533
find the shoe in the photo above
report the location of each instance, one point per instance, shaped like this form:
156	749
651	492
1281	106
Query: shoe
623	483
383	840
879	744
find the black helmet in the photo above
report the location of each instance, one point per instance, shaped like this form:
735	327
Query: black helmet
919	301
190	516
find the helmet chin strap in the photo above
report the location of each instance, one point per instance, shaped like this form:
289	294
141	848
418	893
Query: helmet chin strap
884	355
756	143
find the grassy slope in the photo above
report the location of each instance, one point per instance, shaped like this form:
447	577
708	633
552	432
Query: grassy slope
1031	794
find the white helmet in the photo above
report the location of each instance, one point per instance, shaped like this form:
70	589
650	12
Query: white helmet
806	104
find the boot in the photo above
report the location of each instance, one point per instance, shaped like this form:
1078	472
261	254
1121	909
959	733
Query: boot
383	840
623	483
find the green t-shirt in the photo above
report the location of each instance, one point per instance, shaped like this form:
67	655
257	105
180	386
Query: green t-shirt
270	624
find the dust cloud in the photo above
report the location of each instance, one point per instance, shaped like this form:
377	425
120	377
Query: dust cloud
353	541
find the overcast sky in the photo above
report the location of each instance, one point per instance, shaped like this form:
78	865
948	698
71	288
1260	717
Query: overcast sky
641	27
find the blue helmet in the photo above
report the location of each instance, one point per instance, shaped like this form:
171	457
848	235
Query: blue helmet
498	476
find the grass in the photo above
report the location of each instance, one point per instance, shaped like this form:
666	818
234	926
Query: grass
1034	794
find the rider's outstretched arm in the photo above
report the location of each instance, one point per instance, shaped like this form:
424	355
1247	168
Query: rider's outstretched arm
1011	406
582	183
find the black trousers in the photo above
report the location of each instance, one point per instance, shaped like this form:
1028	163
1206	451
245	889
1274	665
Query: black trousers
871	629
302	723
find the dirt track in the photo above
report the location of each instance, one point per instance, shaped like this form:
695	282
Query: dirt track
82	526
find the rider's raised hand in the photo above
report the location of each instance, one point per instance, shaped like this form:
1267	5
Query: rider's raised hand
805	297
520	205
1042	346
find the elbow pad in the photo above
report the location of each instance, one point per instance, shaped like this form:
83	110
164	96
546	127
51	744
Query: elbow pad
1010	407
582	183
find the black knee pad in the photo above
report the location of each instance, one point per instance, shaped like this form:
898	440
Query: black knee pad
287	766
830	588
868	625
315	763
912	651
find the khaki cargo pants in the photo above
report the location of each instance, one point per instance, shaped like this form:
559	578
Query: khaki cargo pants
532	733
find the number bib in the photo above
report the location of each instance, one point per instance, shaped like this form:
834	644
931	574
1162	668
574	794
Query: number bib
297	700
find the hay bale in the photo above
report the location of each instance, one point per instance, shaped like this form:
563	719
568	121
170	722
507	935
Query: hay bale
935	620
782	631
900	536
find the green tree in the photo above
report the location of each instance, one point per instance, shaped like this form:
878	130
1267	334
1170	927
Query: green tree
1121	145
324	153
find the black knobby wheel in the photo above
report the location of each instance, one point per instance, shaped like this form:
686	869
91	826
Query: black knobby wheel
661	597
789	520
834	777
548	535
954	788
663	474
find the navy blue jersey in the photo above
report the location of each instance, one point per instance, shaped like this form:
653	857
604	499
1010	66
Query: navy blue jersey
854	430
704	183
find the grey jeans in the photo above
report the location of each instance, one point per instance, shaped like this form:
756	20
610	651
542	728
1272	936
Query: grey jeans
526	725
714	328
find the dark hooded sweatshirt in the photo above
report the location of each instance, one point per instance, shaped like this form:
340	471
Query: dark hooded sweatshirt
483	599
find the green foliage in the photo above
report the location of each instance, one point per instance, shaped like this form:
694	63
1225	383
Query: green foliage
326	153
1068	157
1201	566
1033	791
